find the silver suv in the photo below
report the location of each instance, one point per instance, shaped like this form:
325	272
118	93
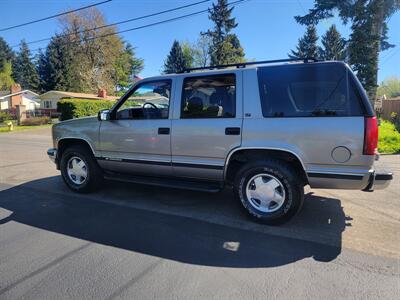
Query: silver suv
265	128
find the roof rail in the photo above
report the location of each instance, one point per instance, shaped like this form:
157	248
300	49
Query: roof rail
244	64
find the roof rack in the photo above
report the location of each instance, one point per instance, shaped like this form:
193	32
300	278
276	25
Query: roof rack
244	64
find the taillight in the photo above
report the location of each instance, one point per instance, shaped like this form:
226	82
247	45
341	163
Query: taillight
370	136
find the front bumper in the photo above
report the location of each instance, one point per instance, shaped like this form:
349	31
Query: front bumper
52	153
378	181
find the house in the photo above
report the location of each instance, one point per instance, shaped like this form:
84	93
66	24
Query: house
49	99
15	96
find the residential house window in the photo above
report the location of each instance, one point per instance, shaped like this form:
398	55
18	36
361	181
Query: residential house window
47	104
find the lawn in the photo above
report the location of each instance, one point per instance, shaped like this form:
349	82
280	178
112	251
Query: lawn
18	128
389	138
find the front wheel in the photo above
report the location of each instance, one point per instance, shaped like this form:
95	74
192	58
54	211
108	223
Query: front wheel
269	191
79	169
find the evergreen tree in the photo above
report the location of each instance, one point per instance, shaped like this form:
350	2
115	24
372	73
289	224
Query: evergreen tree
225	46
24	70
56	68
369	32
333	45
126	66
6	53
43	70
176	61
6	79
307	45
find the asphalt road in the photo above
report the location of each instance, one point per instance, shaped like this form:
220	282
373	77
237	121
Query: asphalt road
134	242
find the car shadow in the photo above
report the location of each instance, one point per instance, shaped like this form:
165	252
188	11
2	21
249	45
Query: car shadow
192	234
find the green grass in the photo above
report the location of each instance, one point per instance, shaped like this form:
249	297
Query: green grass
19	128
389	138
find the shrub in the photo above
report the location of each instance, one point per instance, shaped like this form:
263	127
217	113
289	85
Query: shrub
77	108
35	121
4	116
389	138
395	118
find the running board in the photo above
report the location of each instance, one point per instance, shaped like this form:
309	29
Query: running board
176	183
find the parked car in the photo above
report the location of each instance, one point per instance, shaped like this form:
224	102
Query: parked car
266	128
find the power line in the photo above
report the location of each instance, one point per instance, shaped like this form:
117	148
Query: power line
121	22
147	25
54	16
390	56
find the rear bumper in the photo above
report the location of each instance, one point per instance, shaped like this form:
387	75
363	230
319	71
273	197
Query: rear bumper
378	181
357	180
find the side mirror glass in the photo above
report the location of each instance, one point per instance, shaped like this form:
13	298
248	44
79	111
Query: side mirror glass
104	115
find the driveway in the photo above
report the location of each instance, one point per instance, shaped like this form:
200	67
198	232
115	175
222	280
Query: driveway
131	241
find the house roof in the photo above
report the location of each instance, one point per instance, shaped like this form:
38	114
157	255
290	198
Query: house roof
78	95
5	94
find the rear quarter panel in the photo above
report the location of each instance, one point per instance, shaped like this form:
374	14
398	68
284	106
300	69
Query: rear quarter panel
311	139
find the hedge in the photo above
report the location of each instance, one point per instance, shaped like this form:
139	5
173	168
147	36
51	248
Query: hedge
77	108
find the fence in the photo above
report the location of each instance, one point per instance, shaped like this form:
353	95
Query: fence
52	113
388	107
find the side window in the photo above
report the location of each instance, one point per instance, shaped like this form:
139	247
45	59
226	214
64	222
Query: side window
307	90
149	100
209	97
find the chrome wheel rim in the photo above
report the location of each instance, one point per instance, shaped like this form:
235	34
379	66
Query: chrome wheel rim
76	170
265	193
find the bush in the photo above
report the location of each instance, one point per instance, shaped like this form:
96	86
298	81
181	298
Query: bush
5	116
35	121
389	138
77	108
395	118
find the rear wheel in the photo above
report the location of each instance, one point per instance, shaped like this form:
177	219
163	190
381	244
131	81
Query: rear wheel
79	169
269	191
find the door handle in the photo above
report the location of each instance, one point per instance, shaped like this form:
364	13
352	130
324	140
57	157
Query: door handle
232	131
163	130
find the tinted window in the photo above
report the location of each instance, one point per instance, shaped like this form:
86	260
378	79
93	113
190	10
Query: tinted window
149	100
307	90
209	97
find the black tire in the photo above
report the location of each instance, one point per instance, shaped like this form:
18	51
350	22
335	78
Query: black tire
289	179
94	174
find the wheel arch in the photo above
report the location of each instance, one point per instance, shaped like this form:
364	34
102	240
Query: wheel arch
237	157
66	142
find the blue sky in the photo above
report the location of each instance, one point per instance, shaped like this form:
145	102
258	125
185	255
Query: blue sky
267	29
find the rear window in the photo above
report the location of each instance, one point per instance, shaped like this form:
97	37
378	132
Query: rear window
307	90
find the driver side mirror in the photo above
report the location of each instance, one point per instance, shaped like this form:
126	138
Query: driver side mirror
103	115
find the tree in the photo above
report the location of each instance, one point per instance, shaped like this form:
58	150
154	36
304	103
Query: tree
125	67
389	87
6	80
6	53
333	45
369	31
96	50
307	45
225	46
201	51
176	61
24	70
188	53
57	66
